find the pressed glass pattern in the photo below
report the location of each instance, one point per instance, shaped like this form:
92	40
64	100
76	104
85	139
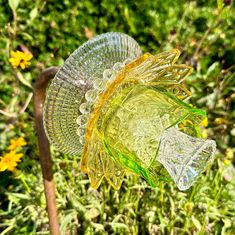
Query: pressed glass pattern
124	111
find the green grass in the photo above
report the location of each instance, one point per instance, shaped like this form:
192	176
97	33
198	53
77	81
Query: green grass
51	30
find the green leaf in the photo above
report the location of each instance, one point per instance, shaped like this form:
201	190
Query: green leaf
98	226
213	71
67	220
92	213
33	13
119	226
196	223
13	4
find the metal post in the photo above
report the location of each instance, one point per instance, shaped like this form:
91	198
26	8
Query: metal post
44	147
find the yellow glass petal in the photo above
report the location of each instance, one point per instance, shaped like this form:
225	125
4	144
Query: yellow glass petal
100	165
168	57
95	165
114	173
98	106
155	71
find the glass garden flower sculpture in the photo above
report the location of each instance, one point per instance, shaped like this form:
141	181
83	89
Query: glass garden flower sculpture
124	111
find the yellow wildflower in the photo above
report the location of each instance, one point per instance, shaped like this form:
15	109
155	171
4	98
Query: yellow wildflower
19	58
10	160
229	156
204	122
15	143
229	153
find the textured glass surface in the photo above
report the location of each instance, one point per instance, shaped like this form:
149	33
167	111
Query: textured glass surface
133	126
100	165
136	125
134	110
122	110
67	90
184	156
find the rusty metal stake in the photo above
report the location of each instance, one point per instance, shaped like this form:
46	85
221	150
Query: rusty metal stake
44	147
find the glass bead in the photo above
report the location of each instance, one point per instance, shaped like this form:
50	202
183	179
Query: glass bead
108	74
99	84
118	66
81	120
82	140
91	95
85	108
81	131
127	61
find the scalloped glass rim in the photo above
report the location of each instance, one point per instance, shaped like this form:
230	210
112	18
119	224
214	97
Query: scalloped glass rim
184	157
67	90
